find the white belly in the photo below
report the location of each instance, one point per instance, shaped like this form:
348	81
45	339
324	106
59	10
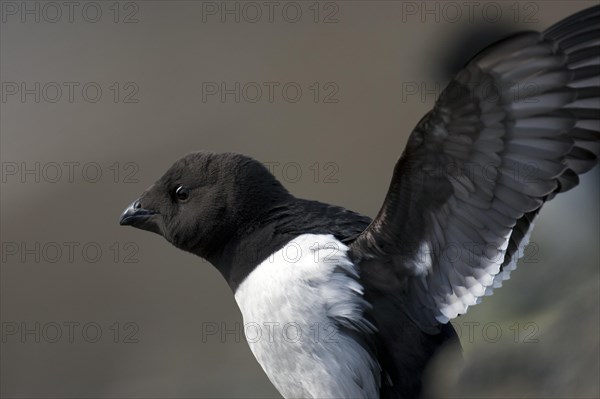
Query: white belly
293	305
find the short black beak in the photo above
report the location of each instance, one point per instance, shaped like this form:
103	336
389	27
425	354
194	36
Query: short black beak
136	216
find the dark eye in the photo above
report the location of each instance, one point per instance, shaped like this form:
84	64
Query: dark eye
182	193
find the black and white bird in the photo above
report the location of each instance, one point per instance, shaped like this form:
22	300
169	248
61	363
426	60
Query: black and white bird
472	179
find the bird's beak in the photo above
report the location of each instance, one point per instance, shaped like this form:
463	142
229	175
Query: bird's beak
136	216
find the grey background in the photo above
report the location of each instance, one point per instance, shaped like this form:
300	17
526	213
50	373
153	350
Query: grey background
372	54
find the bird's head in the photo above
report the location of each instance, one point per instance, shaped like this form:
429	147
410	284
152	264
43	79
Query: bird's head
205	199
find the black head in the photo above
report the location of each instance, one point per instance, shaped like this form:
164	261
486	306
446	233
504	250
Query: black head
205	200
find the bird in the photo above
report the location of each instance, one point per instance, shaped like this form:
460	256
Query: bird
367	303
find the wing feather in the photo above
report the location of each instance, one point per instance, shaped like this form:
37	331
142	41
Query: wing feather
515	127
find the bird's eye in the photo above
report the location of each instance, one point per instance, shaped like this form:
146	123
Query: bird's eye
182	193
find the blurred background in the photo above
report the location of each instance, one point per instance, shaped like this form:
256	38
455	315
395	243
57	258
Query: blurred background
99	98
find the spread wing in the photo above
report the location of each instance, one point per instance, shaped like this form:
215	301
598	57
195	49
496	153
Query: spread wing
515	127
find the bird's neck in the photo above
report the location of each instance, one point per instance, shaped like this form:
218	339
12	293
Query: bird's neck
257	234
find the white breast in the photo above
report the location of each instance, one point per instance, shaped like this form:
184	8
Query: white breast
296	306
